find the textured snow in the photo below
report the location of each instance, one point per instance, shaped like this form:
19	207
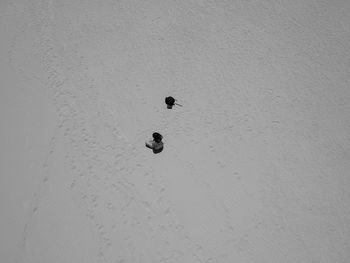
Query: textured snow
255	166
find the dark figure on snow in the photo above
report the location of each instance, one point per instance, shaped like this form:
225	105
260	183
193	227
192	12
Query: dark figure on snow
170	102
156	144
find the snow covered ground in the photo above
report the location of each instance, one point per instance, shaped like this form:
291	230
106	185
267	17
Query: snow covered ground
256	163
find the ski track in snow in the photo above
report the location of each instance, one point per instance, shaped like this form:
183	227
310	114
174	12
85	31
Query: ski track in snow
36	199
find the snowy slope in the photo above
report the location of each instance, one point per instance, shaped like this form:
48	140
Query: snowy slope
256	163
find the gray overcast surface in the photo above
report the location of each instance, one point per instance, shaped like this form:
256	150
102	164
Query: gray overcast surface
255	166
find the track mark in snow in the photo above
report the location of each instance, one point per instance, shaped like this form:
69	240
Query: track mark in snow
36	199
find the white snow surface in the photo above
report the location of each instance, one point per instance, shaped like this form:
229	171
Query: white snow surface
256	163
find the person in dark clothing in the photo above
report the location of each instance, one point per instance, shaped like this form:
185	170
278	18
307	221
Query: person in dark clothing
170	102
156	144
